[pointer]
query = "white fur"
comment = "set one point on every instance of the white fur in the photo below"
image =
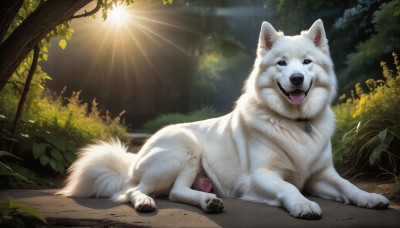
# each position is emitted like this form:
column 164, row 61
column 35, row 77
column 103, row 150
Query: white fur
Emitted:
column 258, row 152
column 100, row 171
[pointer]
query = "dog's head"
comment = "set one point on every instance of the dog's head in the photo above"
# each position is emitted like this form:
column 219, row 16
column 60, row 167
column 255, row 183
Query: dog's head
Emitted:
column 293, row 75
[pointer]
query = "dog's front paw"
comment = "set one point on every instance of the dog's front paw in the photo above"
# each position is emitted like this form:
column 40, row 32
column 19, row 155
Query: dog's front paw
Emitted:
column 372, row 200
column 145, row 204
column 305, row 209
column 213, row 206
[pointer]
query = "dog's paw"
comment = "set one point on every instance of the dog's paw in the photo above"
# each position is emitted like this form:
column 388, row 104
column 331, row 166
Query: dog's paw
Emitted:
column 213, row 206
column 305, row 209
column 145, row 204
column 372, row 200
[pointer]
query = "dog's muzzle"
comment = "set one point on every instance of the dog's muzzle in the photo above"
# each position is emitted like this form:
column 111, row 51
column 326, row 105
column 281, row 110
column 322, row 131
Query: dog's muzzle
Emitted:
column 296, row 96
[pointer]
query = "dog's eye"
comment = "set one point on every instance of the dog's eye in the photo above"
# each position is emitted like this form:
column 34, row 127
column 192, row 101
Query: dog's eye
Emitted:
column 307, row 61
column 281, row 63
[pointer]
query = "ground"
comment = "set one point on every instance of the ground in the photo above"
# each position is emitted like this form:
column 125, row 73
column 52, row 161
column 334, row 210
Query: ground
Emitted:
column 76, row 212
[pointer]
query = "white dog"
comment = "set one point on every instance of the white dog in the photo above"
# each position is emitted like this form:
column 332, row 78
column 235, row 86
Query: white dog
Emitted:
column 274, row 144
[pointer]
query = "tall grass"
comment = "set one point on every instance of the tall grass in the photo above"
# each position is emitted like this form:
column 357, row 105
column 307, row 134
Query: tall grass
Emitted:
column 367, row 138
column 83, row 121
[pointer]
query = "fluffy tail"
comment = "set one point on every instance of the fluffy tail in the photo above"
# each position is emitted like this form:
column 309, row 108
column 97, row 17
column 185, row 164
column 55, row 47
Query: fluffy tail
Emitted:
column 100, row 170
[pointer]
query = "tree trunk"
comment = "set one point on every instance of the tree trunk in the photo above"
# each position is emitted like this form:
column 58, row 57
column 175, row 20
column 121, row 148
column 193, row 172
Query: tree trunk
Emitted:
column 24, row 94
column 33, row 29
column 8, row 10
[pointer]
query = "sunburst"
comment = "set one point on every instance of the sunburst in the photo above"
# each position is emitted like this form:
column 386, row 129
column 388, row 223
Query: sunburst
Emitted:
column 118, row 15
column 124, row 45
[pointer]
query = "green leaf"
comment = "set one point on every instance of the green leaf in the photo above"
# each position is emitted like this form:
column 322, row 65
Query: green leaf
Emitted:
column 384, row 143
column 38, row 150
column 5, row 170
column 5, row 153
column 68, row 34
column 56, row 142
column 167, row 2
column 56, row 154
column 53, row 164
column 62, row 43
column 44, row 160
column 382, row 135
column 26, row 208
column 60, row 167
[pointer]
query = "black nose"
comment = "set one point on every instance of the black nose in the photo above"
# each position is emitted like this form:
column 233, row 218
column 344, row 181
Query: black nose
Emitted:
column 297, row 79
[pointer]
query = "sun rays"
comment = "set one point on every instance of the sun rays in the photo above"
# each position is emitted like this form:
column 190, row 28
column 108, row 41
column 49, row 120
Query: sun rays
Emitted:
column 118, row 15
column 131, row 35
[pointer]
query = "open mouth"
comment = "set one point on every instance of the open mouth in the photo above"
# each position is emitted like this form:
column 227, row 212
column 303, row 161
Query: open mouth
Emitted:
column 296, row 96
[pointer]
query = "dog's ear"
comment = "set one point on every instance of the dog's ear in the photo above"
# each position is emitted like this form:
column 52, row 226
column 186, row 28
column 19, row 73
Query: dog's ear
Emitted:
column 268, row 36
column 317, row 35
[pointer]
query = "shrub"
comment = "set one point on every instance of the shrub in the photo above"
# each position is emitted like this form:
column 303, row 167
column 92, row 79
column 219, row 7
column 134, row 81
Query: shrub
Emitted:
column 367, row 139
column 174, row 118
column 51, row 128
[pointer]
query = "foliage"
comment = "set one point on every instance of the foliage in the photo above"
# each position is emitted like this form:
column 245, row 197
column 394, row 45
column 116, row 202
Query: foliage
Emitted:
column 381, row 38
column 218, row 53
column 174, row 118
column 5, row 168
column 10, row 214
column 51, row 129
column 292, row 16
column 62, row 30
column 368, row 125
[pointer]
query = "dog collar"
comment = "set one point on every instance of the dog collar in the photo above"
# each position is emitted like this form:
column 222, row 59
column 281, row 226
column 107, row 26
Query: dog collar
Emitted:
column 307, row 125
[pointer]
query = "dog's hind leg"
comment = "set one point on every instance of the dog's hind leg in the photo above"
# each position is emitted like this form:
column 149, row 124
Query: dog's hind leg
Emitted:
column 181, row 192
column 141, row 201
column 138, row 196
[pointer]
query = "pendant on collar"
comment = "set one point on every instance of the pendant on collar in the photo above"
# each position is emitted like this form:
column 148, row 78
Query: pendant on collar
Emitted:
column 307, row 126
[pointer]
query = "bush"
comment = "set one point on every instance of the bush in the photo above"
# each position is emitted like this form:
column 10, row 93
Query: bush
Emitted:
column 367, row 138
column 174, row 118
column 51, row 129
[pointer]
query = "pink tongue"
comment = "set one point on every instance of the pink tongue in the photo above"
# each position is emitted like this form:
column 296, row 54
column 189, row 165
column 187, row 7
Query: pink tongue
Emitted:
column 297, row 96
column 202, row 184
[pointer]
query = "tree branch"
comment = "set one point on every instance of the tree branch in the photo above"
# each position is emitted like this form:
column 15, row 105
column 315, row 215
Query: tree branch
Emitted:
column 24, row 94
column 93, row 11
